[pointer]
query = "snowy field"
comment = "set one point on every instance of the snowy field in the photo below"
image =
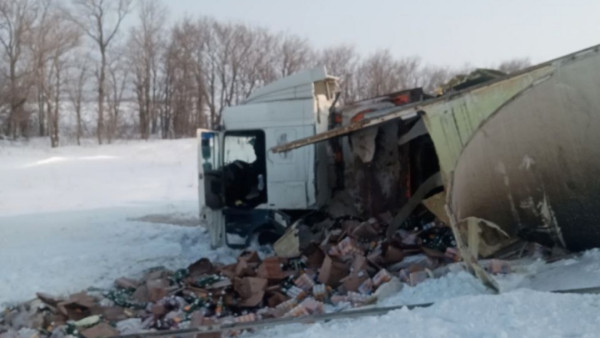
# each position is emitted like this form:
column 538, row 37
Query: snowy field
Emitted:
column 76, row 217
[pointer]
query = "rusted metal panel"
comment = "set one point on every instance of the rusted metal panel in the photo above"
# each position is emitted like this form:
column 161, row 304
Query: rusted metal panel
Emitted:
column 452, row 122
column 532, row 166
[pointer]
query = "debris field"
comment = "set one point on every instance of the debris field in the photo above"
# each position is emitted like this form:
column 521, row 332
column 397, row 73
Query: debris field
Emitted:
column 343, row 263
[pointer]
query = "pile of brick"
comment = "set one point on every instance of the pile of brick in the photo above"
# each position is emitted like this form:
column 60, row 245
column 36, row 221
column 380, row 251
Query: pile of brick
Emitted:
column 347, row 263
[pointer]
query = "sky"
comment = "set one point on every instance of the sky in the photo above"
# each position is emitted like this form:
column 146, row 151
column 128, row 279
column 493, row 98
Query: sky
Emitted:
column 454, row 33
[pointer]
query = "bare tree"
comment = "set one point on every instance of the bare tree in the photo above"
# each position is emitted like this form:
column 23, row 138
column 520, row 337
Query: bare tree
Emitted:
column 231, row 45
column 17, row 18
column 104, row 20
column 117, row 84
column 75, row 91
column 234, row 59
column 146, row 43
column 52, row 97
column 55, row 37
column 514, row 65
column 381, row 73
column 209, row 57
column 432, row 77
column 295, row 54
column 40, row 53
column 342, row 61
column 257, row 67
column 183, row 90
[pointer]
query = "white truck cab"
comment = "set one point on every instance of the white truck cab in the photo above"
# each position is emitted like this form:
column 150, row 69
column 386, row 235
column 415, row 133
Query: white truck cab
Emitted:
column 243, row 187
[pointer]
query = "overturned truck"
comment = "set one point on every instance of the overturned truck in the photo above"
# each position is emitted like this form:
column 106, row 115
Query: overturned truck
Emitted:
column 517, row 156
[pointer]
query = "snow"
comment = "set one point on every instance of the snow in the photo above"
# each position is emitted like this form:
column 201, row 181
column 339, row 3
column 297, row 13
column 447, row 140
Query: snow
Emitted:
column 433, row 290
column 76, row 217
column 41, row 179
column 522, row 313
column 465, row 308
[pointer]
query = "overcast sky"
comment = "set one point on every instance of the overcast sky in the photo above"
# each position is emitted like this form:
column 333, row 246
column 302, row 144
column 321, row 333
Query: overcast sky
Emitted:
column 444, row 32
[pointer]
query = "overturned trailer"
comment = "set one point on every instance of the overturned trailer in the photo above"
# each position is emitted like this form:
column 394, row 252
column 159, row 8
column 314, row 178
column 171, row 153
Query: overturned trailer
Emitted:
column 518, row 156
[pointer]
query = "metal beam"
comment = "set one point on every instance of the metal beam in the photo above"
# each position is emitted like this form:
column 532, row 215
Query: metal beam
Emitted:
column 404, row 113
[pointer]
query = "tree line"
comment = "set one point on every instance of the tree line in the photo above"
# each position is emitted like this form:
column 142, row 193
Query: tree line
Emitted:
column 116, row 69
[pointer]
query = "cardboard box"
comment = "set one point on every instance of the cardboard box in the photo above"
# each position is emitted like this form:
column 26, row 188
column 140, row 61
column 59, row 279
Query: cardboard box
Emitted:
column 270, row 269
column 353, row 281
column 332, row 272
column 249, row 286
column 201, row 267
column 157, row 289
column 100, row 330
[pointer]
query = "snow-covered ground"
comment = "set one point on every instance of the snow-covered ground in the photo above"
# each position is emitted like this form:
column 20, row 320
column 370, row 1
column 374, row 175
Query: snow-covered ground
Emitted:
column 76, row 217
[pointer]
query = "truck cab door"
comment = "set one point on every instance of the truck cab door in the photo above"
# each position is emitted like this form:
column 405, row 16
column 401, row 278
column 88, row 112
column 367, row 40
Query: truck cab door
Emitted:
column 210, row 186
